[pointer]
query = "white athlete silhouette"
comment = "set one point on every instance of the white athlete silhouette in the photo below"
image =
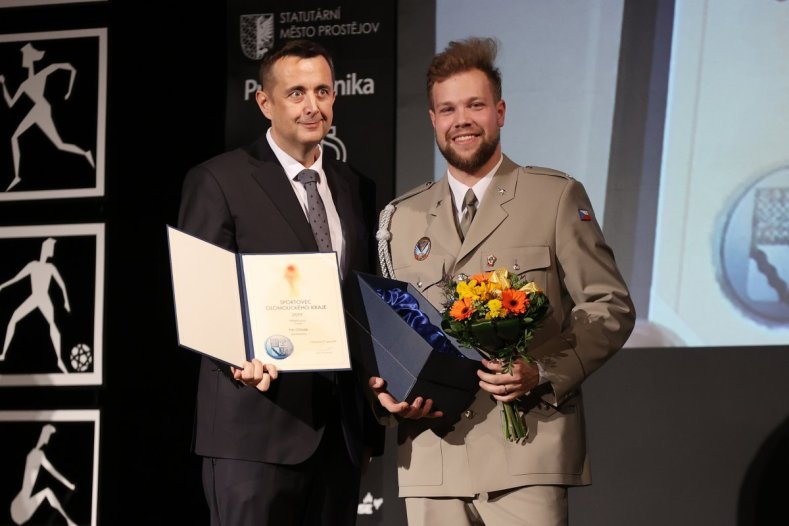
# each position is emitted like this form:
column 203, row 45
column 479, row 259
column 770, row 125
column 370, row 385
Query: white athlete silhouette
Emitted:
column 41, row 274
column 41, row 113
column 26, row 502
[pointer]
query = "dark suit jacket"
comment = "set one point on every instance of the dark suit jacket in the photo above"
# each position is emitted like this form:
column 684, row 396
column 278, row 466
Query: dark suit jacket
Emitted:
column 242, row 201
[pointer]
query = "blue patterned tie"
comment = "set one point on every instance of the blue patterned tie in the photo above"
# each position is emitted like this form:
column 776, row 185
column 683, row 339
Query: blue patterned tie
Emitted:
column 316, row 210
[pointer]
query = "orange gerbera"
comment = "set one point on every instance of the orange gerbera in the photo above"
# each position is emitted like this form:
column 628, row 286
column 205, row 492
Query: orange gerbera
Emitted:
column 482, row 276
column 462, row 309
column 515, row 301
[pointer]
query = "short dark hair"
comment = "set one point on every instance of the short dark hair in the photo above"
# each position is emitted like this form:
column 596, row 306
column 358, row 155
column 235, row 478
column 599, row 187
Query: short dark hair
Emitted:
column 465, row 55
column 291, row 48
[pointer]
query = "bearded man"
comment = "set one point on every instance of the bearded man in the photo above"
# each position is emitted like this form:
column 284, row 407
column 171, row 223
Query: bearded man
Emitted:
column 488, row 213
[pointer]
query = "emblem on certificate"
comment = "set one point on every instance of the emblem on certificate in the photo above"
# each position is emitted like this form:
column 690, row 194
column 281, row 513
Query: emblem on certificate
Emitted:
column 278, row 347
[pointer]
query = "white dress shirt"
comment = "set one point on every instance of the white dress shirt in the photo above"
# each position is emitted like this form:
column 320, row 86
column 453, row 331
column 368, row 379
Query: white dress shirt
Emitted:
column 292, row 168
column 459, row 189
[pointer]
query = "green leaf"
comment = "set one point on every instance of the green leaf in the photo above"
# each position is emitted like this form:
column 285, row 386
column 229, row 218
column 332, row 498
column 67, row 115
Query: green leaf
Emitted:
column 485, row 334
column 508, row 329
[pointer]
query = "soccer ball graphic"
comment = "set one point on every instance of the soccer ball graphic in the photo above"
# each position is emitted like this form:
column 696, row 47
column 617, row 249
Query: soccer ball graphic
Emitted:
column 80, row 357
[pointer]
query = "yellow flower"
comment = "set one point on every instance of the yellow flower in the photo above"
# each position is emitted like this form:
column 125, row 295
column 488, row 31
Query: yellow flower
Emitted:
column 482, row 291
column 530, row 288
column 495, row 310
column 467, row 289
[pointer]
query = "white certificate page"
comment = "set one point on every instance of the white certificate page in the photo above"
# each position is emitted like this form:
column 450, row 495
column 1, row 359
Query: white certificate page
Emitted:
column 295, row 311
column 207, row 298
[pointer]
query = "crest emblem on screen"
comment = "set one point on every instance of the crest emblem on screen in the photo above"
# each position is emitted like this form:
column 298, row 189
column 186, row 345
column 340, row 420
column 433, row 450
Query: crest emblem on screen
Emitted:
column 256, row 34
column 753, row 265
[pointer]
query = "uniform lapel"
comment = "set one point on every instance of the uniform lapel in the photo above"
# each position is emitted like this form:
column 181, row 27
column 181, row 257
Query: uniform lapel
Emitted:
column 441, row 227
column 491, row 212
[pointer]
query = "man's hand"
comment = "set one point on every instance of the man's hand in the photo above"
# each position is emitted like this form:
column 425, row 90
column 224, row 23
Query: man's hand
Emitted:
column 419, row 408
column 507, row 387
column 256, row 373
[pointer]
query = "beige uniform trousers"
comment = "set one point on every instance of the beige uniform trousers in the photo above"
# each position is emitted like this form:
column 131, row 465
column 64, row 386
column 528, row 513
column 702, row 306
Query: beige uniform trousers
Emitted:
column 525, row 506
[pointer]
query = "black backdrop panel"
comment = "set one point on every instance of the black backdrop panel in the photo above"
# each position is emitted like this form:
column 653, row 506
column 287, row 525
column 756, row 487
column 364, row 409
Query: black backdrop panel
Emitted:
column 360, row 36
column 69, row 451
column 54, row 131
column 77, row 259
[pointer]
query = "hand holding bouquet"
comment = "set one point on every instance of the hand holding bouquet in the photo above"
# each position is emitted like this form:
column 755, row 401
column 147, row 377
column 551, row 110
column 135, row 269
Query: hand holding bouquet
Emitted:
column 496, row 313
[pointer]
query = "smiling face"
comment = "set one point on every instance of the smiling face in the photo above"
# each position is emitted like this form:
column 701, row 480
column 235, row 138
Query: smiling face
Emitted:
column 466, row 118
column 298, row 101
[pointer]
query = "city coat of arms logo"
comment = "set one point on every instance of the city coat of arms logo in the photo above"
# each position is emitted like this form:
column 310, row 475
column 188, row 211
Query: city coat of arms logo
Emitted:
column 257, row 35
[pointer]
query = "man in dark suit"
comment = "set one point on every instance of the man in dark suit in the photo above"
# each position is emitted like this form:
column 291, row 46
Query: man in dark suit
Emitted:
column 281, row 448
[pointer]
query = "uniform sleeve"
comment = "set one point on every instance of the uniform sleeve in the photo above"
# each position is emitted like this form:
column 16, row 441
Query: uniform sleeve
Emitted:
column 601, row 313
column 204, row 211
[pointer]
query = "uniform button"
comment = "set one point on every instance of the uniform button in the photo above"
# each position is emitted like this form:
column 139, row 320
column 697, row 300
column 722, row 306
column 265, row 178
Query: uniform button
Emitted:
column 419, row 284
column 468, row 413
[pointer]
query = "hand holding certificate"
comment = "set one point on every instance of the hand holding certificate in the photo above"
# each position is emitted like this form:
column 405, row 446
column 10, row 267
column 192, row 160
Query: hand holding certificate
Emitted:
column 284, row 309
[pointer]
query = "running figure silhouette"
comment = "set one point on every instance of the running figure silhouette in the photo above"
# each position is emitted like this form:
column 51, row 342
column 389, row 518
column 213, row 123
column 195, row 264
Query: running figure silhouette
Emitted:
column 41, row 273
column 41, row 113
column 26, row 502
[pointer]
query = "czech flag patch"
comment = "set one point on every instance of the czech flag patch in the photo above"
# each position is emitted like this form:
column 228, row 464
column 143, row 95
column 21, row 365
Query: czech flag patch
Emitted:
column 584, row 215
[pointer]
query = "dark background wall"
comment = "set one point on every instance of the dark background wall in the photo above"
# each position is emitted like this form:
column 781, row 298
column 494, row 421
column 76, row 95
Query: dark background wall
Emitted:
column 687, row 437
column 164, row 114
column 678, row 436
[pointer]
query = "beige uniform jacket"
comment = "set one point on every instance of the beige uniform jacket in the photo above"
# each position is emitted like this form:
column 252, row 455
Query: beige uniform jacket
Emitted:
column 529, row 221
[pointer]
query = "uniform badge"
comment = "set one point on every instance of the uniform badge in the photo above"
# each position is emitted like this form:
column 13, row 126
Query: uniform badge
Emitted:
column 584, row 215
column 422, row 249
column 491, row 260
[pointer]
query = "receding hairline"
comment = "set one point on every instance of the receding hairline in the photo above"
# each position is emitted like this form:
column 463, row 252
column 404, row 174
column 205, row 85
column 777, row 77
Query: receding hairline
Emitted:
column 300, row 49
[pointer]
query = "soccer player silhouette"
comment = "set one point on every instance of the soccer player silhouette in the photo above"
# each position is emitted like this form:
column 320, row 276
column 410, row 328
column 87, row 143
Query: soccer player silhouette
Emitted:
column 26, row 502
column 41, row 273
column 41, row 113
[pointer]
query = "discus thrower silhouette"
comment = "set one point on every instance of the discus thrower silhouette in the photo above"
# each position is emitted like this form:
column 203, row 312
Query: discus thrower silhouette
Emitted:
column 41, row 113
column 26, row 502
column 41, row 273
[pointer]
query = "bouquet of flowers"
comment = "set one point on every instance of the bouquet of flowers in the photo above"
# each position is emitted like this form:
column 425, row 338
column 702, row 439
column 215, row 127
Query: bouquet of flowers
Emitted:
column 496, row 313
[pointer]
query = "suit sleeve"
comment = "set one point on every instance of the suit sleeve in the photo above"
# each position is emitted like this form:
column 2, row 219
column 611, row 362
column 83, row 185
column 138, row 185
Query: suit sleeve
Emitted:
column 204, row 211
column 601, row 313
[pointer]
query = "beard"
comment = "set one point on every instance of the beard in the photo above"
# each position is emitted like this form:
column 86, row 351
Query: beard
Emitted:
column 474, row 161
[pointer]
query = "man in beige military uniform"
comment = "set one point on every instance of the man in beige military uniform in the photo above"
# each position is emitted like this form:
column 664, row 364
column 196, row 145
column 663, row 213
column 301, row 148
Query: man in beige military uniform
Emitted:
column 532, row 221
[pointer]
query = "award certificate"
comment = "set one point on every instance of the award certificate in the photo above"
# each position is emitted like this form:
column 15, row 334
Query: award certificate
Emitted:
column 284, row 309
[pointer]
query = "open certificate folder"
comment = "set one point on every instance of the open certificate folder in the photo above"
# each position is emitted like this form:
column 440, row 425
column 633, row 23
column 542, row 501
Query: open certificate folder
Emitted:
column 284, row 309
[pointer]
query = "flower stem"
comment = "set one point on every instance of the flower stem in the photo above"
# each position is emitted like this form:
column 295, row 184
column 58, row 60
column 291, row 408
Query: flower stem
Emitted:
column 505, row 428
column 514, row 429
